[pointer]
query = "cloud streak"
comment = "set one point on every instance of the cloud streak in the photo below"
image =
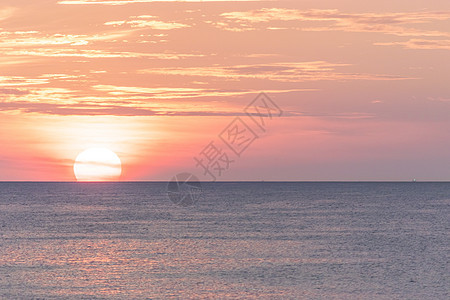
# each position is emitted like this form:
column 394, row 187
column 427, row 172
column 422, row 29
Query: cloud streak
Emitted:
column 124, row 2
column 83, row 109
column 36, row 38
column 12, row 81
column 145, row 21
column 335, row 20
column 6, row 12
column 282, row 72
column 123, row 101
column 179, row 93
column 420, row 44
column 16, row 92
column 97, row 54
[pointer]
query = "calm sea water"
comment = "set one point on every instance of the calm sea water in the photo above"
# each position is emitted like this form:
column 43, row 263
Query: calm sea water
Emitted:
column 240, row 241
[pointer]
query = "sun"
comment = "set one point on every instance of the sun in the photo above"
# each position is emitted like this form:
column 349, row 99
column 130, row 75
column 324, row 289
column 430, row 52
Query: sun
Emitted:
column 97, row 164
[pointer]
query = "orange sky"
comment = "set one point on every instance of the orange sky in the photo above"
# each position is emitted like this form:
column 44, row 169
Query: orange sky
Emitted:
column 363, row 87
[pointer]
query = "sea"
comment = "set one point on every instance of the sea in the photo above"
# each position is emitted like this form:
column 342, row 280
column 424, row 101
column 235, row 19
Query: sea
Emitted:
column 240, row 240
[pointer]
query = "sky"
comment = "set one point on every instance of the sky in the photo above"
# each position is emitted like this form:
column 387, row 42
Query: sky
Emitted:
column 354, row 90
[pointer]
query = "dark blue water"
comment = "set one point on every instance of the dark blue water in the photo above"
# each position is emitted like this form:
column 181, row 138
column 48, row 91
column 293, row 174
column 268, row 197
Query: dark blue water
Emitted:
column 240, row 241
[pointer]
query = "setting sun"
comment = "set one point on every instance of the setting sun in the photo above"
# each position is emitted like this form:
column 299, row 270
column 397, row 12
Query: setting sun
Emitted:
column 97, row 164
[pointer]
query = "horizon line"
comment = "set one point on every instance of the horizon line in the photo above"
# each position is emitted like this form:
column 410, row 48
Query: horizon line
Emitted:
column 233, row 181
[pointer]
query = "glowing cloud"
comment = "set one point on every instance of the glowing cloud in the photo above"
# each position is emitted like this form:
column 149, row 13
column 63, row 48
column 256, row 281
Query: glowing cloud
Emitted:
column 123, row 2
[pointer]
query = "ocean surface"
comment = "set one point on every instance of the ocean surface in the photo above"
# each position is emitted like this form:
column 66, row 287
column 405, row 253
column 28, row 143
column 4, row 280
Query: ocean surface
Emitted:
column 259, row 240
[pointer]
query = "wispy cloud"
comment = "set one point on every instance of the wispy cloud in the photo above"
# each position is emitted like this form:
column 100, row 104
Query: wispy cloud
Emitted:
column 284, row 72
column 179, row 93
column 106, row 110
column 6, row 12
column 439, row 99
column 95, row 54
column 420, row 44
column 335, row 20
column 35, row 38
column 123, row 100
column 145, row 21
column 273, row 14
column 123, row 2
column 11, row 81
column 13, row 92
column 18, row 47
